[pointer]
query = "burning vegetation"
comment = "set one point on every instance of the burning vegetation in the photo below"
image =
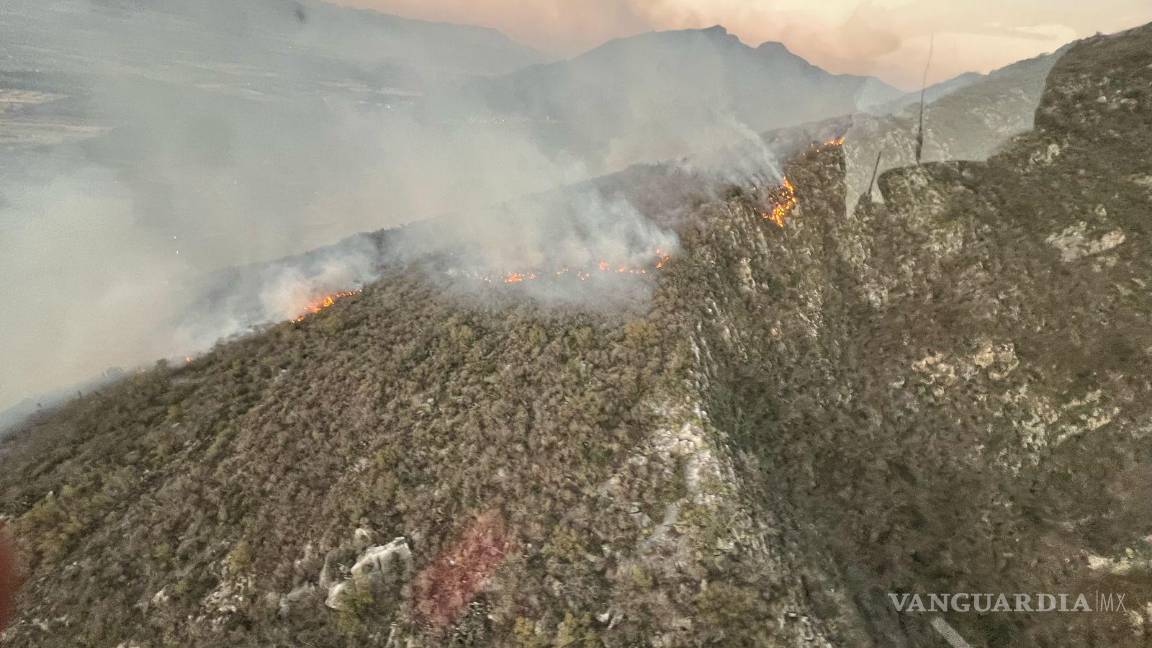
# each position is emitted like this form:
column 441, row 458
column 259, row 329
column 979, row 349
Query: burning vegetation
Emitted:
column 603, row 267
column 324, row 301
column 784, row 201
column 657, row 260
column 783, row 198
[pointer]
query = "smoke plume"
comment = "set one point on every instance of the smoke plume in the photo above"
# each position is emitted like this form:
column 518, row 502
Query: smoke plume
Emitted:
column 161, row 158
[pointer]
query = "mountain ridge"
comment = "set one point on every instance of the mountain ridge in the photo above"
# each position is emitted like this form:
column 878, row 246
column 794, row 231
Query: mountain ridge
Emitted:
column 661, row 95
column 944, row 391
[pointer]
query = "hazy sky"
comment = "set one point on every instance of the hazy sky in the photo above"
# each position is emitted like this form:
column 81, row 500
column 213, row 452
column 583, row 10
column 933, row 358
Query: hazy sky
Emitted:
column 888, row 38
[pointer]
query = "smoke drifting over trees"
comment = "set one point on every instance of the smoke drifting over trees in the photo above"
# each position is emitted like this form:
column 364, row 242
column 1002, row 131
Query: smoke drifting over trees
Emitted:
column 148, row 147
column 157, row 159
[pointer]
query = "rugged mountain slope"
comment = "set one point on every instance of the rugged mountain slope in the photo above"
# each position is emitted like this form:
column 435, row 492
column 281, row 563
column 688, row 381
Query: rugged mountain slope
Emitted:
column 184, row 127
column 551, row 470
column 948, row 391
column 1027, row 72
column 983, row 116
column 967, row 118
column 972, row 414
column 970, row 123
column 661, row 95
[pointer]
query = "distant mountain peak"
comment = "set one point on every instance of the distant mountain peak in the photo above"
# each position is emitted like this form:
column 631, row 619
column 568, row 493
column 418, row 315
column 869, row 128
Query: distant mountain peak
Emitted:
column 615, row 103
column 775, row 47
column 715, row 32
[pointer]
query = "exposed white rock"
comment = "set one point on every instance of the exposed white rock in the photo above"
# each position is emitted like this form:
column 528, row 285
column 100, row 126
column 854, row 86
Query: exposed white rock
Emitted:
column 1118, row 565
column 1048, row 155
column 227, row 599
column 363, row 537
column 294, row 599
column 340, row 596
column 376, row 569
column 1074, row 243
column 383, row 563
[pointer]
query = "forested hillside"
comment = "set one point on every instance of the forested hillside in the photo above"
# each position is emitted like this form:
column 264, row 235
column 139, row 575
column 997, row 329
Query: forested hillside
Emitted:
column 946, row 391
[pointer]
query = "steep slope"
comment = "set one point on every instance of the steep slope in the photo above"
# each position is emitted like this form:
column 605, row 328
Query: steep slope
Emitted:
column 1027, row 72
column 661, row 95
column 185, row 137
column 983, row 116
column 968, row 123
column 948, row 391
column 967, row 118
column 550, row 470
column 973, row 409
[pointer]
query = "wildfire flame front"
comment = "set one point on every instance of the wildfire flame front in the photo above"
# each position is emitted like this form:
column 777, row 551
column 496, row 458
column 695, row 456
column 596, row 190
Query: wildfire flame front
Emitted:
column 785, row 202
column 324, row 301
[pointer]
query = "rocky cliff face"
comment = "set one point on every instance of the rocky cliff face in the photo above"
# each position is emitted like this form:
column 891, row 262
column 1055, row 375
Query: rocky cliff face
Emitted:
column 946, row 391
column 967, row 118
column 971, row 413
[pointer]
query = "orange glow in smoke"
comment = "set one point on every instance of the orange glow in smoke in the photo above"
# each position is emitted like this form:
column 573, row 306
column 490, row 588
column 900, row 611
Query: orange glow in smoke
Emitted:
column 324, row 301
column 661, row 259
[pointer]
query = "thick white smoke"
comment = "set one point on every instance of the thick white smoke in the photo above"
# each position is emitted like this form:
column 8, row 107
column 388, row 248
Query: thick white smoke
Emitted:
column 152, row 148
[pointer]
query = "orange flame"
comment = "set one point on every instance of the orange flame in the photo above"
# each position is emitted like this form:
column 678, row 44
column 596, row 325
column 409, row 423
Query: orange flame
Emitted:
column 324, row 301
column 786, row 201
column 517, row 277
column 584, row 274
column 662, row 258
column 835, row 141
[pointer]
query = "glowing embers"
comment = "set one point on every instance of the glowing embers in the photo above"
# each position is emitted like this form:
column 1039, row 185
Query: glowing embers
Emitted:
column 604, row 267
column 783, row 198
column 784, row 201
column 324, row 301
column 518, row 277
